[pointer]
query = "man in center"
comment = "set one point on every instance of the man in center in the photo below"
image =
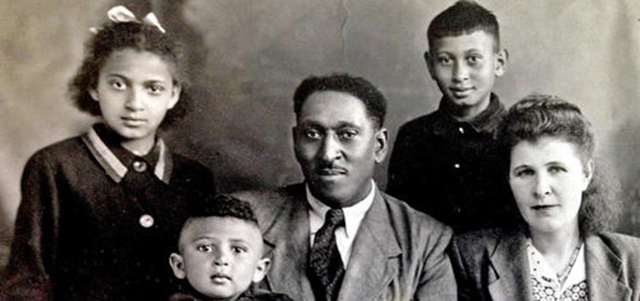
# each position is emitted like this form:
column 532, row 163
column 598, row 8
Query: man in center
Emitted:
column 337, row 236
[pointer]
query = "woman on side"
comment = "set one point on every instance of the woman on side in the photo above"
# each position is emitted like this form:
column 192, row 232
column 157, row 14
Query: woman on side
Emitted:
column 560, row 250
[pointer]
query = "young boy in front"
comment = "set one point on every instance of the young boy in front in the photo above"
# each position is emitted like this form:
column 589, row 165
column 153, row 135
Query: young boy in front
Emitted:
column 445, row 163
column 221, row 254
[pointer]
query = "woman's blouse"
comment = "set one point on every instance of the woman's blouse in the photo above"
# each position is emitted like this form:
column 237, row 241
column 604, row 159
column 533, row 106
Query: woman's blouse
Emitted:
column 547, row 285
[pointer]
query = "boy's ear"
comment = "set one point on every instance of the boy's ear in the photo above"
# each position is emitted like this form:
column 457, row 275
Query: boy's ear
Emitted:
column 94, row 94
column 177, row 265
column 428, row 59
column 175, row 96
column 502, row 57
column 261, row 270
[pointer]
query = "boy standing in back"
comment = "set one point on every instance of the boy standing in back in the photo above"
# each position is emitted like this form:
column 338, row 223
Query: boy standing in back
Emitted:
column 445, row 163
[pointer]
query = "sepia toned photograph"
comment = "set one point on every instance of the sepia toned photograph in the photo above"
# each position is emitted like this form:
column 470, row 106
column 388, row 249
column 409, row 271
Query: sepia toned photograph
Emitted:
column 319, row 150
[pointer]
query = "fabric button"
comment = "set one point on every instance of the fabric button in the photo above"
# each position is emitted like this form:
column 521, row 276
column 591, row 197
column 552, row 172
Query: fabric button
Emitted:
column 139, row 166
column 146, row 220
column 461, row 130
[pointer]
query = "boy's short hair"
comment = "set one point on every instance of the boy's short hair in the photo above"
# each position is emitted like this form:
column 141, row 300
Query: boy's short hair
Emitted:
column 224, row 205
column 358, row 87
column 464, row 17
column 220, row 205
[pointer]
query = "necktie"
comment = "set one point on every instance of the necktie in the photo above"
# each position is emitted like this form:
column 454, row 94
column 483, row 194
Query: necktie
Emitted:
column 325, row 265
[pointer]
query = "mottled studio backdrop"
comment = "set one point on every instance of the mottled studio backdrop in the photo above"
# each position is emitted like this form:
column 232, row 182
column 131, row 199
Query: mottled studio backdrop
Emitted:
column 247, row 57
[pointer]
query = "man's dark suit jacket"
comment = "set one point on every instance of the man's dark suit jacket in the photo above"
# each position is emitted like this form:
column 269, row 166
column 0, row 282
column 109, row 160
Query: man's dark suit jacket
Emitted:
column 397, row 254
column 493, row 265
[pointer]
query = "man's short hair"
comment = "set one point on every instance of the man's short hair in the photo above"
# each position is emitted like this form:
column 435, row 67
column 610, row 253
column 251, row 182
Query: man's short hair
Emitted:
column 464, row 17
column 374, row 102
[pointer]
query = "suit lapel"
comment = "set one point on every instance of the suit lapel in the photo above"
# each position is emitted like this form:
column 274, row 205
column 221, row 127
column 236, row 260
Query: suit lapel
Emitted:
column 508, row 274
column 374, row 257
column 603, row 272
column 288, row 242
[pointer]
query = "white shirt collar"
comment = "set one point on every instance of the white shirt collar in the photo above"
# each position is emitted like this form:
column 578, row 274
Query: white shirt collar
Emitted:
column 353, row 214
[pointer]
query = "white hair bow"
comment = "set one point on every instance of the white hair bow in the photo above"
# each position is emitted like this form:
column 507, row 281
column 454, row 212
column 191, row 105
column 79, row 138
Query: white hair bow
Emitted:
column 120, row 14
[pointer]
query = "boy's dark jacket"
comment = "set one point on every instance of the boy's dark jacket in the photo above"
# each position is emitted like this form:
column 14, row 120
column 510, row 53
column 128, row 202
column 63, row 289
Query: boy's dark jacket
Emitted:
column 451, row 170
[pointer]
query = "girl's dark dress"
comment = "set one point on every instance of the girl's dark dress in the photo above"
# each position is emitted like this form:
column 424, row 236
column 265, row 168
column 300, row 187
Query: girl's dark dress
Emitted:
column 97, row 222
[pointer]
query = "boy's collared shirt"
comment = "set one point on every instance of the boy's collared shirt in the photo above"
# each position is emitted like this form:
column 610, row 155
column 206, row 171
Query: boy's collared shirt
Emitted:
column 353, row 216
column 450, row 169
column 486, row 122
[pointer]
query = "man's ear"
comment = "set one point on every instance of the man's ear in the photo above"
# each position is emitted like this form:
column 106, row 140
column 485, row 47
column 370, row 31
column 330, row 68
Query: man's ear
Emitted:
column 94, row 94
column 382, row 145
column 502, row 57
column 428, row 59
column 175, row 96
column 261, row 269
column 296, row 136
column 177, row 265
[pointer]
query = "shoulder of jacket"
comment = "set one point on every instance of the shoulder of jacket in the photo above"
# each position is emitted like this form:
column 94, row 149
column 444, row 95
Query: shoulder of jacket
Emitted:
column 268, row 204
column 412, row 218
column 478, row 241
column 421, row 123
column 621, row 243
column 62, row 150
column 182, row 161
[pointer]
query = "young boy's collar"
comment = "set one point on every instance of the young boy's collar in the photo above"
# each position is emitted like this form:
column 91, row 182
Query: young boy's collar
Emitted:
column 114, row 167
column 187, row 293
column 486, row 121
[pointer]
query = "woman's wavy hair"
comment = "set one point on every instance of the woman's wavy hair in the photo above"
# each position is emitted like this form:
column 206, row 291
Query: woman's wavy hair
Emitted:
column 538, row 116
column 129, row 35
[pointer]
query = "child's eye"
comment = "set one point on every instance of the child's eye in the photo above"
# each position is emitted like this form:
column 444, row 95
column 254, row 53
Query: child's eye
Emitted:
column 474, row 59
column 238, row 249
column 117, row 84
column 556, row 169
column 156, row 89
column 444, row 60
column 204, row 248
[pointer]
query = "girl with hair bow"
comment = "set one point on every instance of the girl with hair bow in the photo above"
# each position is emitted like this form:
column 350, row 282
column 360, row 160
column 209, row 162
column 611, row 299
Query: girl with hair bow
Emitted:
column 100, row 212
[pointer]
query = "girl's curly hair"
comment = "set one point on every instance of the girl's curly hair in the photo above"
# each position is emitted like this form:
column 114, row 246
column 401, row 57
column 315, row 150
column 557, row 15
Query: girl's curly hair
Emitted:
column 130, row 35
